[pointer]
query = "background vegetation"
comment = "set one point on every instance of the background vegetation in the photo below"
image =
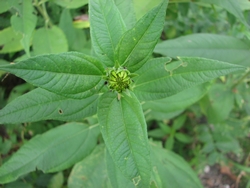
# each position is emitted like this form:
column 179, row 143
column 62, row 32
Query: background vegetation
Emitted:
column 206, row 125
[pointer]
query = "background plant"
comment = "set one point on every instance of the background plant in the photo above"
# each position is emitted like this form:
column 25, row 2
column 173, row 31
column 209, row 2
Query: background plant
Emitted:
column 65, row 102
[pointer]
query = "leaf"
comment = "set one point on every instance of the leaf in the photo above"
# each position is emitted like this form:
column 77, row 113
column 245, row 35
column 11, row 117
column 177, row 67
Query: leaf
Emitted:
column 71, row 74
column 178, row 101
column 156, row 81
column 106, row 28
column 217, row 47
column 124, row 131
column 81, row 44
column 56, row 181
column 40, row 104
column 183, row 138
column 137, row 44
column 71, row 4
column 4, row 6
column 47, row 152
column 24, row 22
column 92, row 168
column 49, row 40
column 231, row 6
column 126, row 9
column 143, row 6
column 171, row 170
column 218, row 104
column 244, row 4
column 66, row 26
column 10, row 41
column 115, row 175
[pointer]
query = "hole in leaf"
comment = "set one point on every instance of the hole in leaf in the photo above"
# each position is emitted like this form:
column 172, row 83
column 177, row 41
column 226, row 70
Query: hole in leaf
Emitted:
column 60, row 111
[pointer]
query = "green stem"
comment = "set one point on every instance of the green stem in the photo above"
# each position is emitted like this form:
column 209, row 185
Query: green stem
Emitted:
column 242, row 79
column 43, row 12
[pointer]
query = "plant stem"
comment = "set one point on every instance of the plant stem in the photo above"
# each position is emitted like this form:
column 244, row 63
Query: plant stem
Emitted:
column 43, row 12
column 242, row 78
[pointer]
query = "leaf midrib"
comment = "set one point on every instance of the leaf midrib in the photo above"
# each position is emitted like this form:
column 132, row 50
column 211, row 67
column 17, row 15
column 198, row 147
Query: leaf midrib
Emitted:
column 142, row 36
column 185, row 73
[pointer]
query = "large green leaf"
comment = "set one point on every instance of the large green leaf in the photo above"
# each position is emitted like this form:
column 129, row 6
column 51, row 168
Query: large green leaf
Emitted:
column 41, row 104
column 157, row 80
column 232, row 6
column 137, row 44
column 69, row 74
column 179, row 101
column 106, row 27
column 124, row 131
column 49, row 40
column 55, row 150
column 170, row 170
column 218, row 103
column 117, row 179
column 218, row 47
column 70, row 3
column 24, row 22
column 126, row 9
column 90, row 172
column 10, row 41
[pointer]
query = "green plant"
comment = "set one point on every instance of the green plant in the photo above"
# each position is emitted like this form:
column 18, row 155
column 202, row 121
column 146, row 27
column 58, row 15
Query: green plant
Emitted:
column 113, row 83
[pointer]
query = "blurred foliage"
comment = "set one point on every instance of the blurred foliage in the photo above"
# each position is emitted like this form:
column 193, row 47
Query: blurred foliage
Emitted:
column 215, row 129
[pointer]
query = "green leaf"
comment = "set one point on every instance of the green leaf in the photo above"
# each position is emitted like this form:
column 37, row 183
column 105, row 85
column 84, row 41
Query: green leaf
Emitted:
column 56, row 180
column 179, row 122
column 49, row 40
column 106, row 27
column 66, row 26
column 82, row 44
column 24, row 22
column 89, row 170
column 156, row 133
column 178, row 101
column 143, row 6
column 19, row 184
column 218, row 47
column 183, row 138
column 71, row 4
column 117, row 179
column 218, row 104
column 124, row 131
column 4, row 6
column 244, row 4
column 69, row 143
column 40, row 104
column 156, row 81
column 3, row 62
column 71, row 74
column 169, row 144
column 232, row 6
column 137, row 44
column 10, row 41
column 171, row 170
column 19, row 90
column 126, row 9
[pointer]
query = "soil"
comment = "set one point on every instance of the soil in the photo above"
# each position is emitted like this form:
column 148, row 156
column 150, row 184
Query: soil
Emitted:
column 218, row 177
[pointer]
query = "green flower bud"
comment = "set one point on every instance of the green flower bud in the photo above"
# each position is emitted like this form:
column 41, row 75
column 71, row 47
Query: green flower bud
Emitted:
column 118, row 79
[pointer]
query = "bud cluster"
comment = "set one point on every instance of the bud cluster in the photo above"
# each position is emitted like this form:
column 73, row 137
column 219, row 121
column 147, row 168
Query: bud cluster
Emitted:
column 118, row 79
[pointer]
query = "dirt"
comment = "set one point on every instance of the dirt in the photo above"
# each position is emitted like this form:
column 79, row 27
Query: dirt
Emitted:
column 218, row 177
